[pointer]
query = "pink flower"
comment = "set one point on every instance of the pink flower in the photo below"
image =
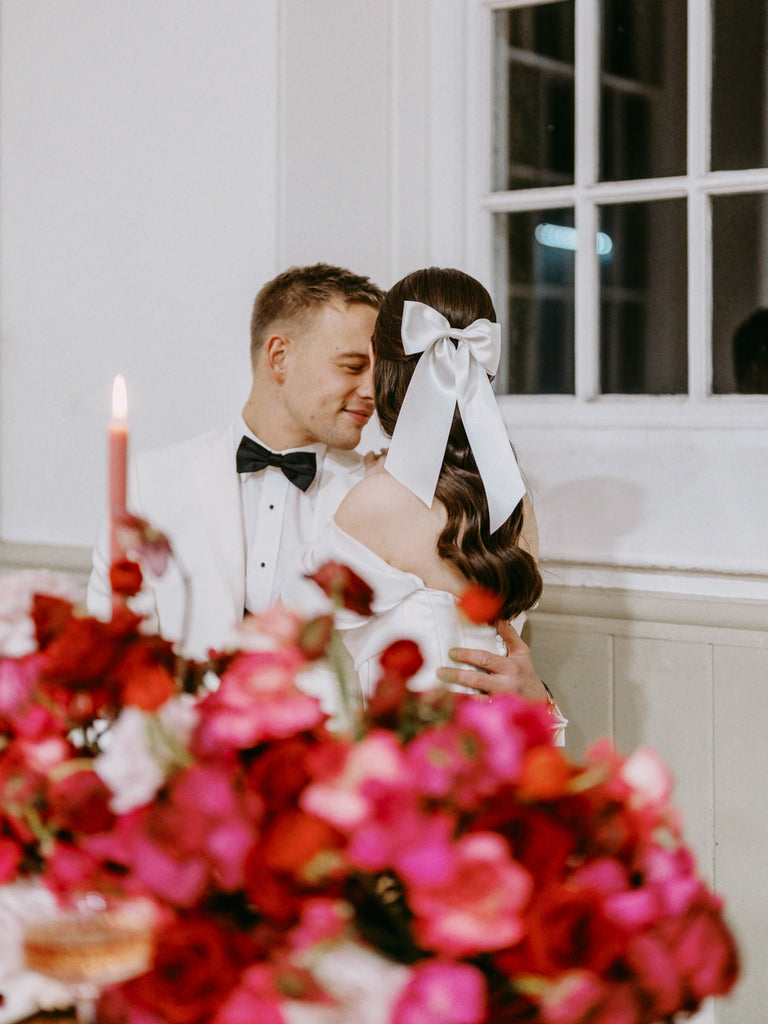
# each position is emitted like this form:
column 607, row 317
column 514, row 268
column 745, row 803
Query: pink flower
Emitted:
column 442, row 992
column 321, row 919
column 17, row 680
column 478, row 905
column 401, row 836
column 578, row 996
column 704, row 951
column 256, row 998
column 276, row 626
column 258, row 700
column 137, row 536
column 343, row 799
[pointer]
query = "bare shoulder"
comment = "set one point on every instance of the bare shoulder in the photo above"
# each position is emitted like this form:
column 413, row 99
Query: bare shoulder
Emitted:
column 374, row 501
column 388, row 519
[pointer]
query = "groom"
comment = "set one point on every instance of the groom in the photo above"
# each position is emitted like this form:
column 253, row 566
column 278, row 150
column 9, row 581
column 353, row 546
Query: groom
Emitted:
column 240, row 504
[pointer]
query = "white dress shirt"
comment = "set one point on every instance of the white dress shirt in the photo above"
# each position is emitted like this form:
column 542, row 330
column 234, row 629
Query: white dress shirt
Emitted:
column 278, row 521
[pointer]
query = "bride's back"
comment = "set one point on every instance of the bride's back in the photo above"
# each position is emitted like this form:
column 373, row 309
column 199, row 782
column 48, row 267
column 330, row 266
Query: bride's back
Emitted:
column 391, row 521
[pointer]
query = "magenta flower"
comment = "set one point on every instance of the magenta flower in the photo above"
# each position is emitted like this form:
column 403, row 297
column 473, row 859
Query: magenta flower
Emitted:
column 478, row 905
column 258, row 700
column 442, row 992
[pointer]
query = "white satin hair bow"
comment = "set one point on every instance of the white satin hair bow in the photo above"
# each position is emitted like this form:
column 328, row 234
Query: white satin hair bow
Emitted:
column 446, row 375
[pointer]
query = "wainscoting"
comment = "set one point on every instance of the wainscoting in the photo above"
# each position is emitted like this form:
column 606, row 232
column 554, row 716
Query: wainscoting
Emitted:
column 688, row 676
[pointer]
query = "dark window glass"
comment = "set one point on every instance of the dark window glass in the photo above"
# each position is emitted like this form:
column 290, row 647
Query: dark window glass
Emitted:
column 740, row 45
column 643, row 298
column 535, row 256
column 534, row 94
column 739, row 294
column 643, row 89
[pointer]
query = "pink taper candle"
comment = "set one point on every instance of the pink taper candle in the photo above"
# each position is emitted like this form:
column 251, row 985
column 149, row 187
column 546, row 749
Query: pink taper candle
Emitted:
column 118, row 460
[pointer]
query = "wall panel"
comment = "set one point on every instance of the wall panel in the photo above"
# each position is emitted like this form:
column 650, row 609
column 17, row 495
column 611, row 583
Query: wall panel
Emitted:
column 689, row 677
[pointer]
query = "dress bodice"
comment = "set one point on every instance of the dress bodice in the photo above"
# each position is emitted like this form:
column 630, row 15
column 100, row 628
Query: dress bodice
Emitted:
column 403, row 606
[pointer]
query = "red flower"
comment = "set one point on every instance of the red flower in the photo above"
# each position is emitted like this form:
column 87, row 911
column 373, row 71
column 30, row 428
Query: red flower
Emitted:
column 281, row 771
column 144, row 675
column 341, row 584
column 125, row 577
column 294, row 839
column 50, row 615
column 195, row 969
column 81, row 803
column 566, row 930
column 480, row 604
column 402, row 658
column 399, row 662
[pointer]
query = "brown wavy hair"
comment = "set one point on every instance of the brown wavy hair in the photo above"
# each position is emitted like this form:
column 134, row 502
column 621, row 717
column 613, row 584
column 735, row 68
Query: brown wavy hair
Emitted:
column 496, row 561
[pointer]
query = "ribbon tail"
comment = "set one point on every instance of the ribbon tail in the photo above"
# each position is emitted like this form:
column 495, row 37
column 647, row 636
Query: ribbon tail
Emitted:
column 487, row 435
column 416, row 450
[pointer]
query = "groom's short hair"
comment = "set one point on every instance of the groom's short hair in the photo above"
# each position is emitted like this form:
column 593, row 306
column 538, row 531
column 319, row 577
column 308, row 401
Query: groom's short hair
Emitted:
column 294, row 296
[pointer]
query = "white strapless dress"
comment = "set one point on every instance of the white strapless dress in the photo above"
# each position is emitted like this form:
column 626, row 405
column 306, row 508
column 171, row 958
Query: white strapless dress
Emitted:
column 404, row 608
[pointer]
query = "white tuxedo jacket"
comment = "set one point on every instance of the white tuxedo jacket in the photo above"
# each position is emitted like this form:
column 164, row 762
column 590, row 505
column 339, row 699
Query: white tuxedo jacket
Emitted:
column 191, row 492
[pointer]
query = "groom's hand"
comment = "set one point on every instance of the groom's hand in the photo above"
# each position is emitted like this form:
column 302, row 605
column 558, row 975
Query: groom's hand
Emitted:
column 497, row 673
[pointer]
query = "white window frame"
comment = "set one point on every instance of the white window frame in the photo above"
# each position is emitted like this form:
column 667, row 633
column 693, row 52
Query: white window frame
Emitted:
column 699, row 408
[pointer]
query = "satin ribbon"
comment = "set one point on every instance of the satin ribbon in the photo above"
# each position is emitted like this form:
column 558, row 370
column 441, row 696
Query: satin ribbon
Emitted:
column 445, row 375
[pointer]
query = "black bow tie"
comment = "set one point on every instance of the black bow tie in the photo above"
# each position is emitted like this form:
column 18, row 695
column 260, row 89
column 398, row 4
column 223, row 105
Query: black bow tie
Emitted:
column 299, row 467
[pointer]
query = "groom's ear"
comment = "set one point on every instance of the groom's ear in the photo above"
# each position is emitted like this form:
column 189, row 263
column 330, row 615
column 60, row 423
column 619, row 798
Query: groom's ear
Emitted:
column 276, row 349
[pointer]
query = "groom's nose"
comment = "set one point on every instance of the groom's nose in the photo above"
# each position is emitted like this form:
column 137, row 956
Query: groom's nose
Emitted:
column 365, row 384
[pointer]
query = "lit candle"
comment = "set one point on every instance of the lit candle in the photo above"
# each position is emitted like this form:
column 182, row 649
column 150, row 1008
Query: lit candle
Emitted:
column 118, row 460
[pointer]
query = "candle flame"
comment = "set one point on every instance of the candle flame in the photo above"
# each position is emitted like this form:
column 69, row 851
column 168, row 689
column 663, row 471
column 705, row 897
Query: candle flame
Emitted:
column 119, row 398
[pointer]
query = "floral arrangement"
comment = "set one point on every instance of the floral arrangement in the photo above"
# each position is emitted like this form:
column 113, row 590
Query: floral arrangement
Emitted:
column 439, row 861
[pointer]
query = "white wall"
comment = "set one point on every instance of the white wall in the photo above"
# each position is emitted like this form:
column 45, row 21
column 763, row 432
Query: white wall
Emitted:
column 138, row 215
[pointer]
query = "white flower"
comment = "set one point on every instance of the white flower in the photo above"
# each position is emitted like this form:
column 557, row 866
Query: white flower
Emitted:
column 17, row 631
column 24, row 992
column 365, row 983
column 140, row 750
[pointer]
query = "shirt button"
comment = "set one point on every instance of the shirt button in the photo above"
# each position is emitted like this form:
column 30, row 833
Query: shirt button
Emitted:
column 263, row 564
column 271, row 506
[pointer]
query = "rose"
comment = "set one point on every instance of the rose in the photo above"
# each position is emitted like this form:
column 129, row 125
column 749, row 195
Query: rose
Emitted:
column 442, row 992
column 258, row 700
column 125, row 577
column 477, row 905
column 195, row 968
column 81, row 802
column 566, row 929
column 342, row 585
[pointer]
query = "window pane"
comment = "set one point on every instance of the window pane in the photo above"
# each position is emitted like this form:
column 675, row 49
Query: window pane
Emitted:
column 643, row 301
column 740, row 294
column 535, row 257
column 643, row 89
column 740, row 43
column 533, row 96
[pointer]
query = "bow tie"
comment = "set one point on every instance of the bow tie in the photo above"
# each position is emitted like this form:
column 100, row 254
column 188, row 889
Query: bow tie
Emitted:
column 299, row 467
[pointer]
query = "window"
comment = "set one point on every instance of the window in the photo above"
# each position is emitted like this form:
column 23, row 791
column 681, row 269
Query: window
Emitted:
column 639, row 125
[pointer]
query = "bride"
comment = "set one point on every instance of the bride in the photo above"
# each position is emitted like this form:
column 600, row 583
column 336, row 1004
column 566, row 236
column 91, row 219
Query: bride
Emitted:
column 443, row 508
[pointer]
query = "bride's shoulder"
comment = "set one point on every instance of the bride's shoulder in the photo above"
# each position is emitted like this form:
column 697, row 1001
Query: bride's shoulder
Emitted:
column 376, row 511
